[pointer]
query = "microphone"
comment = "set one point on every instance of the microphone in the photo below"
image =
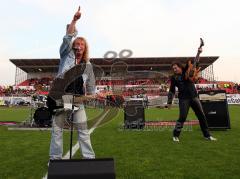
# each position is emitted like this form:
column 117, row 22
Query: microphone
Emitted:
column 77, row 48
column 77, row 54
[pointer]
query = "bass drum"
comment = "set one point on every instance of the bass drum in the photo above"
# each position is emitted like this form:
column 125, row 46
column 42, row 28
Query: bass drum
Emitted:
column 42, row 117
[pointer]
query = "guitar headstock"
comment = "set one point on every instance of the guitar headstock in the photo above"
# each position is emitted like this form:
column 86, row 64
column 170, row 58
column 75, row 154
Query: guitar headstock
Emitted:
column 201, row 43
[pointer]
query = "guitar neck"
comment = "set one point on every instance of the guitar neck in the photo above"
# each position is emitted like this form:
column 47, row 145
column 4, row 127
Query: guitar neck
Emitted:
column 196, row 59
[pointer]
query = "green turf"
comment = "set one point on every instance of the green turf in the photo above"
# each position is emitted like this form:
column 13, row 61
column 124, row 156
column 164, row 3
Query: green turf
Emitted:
column 153, row 114
column 24, row 153
column 148, row 153
column 152, row 154
column 16, row 114
column 93, row 112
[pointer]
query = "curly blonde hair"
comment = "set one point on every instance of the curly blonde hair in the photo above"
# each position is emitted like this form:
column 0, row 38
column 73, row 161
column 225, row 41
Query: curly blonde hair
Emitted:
column 85, row 56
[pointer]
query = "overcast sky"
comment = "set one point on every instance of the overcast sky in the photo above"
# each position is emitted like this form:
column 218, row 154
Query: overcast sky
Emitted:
column 150, row 28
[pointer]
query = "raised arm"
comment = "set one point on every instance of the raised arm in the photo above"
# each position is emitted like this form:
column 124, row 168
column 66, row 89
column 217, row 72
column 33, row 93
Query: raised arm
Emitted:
column 71, row 32
column 71, row 28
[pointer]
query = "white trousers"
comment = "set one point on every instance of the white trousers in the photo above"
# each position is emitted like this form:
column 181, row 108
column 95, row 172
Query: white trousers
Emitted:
column 80, row 123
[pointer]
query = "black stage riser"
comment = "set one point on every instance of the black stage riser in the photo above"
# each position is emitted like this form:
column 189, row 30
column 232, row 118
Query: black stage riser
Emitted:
column 85, row 168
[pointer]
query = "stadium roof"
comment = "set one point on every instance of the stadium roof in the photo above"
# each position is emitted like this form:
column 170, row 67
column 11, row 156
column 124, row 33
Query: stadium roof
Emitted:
column 133, row 64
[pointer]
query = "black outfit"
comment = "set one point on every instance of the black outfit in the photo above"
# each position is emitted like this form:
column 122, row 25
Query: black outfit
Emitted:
column 188, row 97
column 76, row 87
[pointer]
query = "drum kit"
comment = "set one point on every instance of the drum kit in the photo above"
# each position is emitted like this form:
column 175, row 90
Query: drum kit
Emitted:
column 40, row 115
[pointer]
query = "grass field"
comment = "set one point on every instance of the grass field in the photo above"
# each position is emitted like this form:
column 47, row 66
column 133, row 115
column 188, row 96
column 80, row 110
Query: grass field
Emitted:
column 16, row 114
column 148, row 153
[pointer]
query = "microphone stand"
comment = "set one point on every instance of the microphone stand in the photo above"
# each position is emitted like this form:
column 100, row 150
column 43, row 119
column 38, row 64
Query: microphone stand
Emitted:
column 72, row 114
column 71, row 130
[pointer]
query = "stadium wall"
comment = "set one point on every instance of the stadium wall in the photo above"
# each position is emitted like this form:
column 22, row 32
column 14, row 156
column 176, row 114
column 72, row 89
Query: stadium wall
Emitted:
column 40, row 75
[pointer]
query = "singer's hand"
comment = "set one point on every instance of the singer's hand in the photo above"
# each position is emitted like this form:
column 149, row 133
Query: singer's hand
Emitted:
column 77, row 15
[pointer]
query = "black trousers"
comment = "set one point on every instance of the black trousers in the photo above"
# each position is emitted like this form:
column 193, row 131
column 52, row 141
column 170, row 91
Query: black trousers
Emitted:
column 184, row 105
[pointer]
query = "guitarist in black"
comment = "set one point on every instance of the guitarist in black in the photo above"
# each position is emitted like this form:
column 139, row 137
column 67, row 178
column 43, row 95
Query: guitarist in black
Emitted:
column 188, row 97
column 73, row 53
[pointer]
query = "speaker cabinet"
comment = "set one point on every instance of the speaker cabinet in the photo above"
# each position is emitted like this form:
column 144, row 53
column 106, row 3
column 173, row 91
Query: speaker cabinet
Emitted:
column 215, row 108
column 134, row 115
column 85, row 168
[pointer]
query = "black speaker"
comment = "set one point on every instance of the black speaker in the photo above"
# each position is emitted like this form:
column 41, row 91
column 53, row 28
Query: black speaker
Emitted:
column 215, row 107
column 134, row 115
column 84, row 168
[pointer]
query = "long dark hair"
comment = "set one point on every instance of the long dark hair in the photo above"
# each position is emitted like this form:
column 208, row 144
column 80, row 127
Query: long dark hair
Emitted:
column 179, row 64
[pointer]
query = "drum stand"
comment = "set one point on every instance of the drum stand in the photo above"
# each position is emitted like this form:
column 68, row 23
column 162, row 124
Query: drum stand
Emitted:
column 30, row 120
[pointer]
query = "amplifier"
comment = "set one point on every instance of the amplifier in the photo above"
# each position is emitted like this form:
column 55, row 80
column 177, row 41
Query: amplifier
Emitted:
column 215, row 107
column 134, row 115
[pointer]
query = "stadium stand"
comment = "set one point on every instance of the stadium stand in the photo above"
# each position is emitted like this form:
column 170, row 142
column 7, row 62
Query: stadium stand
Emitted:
column 143, row 77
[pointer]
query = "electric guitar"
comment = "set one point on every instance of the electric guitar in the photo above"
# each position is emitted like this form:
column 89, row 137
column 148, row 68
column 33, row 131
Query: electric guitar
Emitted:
column 60, row 86
column 192, row 73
